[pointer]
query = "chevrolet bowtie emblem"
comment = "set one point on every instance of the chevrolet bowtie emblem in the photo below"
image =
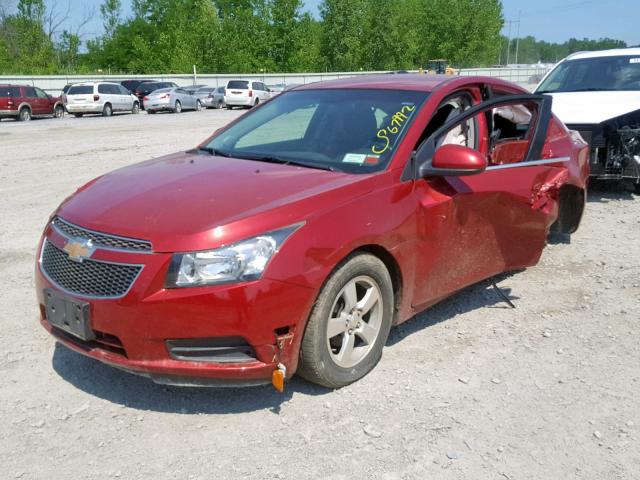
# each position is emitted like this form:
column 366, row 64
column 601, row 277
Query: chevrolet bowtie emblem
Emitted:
column 79, row 249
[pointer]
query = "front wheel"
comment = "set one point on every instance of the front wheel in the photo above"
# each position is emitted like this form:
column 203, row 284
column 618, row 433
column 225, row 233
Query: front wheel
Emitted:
column 178, row 107
column 136, row 108
column 199, row 106
column 349, row 324
column 58, row 112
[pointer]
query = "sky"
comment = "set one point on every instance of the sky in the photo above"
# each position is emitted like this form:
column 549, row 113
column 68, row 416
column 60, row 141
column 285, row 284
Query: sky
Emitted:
column 551, row 20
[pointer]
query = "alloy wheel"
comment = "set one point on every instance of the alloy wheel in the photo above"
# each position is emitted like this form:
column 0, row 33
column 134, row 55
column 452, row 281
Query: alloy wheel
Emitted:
column 355, row 321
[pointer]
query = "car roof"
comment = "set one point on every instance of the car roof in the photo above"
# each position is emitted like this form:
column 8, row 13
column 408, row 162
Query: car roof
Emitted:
column 605, row 53
column 419, row 82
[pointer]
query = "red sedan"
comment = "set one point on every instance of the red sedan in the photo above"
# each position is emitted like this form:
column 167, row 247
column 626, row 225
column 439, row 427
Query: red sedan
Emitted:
column 295, row 237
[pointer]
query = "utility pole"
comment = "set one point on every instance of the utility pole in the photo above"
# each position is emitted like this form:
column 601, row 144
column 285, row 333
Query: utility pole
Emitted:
column 518, row 36
column 509, row 43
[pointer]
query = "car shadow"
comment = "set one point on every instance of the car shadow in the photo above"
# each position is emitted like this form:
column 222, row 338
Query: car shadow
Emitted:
column 133, row 391
column 601, row 192
column 479, row 295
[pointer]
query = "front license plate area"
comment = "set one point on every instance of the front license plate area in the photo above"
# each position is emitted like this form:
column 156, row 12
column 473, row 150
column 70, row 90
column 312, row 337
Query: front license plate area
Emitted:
column 68, row 315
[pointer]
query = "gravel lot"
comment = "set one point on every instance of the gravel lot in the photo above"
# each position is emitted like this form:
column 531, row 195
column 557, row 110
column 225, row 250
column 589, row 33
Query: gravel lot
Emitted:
column 467, row 390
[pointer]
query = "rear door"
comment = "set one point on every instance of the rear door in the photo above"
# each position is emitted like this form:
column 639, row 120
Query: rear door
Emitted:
column 80, row 95
column 45, row 105
column 476, row 226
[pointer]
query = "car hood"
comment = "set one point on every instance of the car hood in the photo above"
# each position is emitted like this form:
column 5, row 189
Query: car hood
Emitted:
column 593, row 107
column 190, row 201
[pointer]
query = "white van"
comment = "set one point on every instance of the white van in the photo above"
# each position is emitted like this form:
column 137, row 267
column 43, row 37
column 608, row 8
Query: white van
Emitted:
column 100, row 97
column 245, row 93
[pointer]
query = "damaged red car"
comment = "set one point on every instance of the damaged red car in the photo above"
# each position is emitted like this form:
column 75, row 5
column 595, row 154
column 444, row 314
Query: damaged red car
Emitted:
column 294, row 238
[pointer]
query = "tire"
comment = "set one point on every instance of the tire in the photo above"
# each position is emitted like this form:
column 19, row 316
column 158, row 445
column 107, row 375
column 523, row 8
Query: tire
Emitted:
column 58, row 112
column 151, row 112
column 257, row 102
column 107, row 110
column 78, row 115
column 136, row 108
column 220, row 105
column 636, row 188
column 178, row 107
column 358, row 334
column 229, row 107
column 24, row 115
column 199, row 106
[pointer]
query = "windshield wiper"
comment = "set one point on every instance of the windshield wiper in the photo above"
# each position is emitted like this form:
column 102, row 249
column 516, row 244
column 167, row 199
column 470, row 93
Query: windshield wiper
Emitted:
column 284, row 161
column 214, row 152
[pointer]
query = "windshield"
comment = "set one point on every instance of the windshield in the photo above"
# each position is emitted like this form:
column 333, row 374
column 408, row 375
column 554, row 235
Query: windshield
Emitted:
column 594, row 74
column 347, row 130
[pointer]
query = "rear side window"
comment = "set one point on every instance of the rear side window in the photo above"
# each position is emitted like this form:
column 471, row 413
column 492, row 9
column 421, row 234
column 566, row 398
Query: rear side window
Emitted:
column 30, row 92
column 109, row 89
column 11, row 92
column 80, row 90
column 240, row 84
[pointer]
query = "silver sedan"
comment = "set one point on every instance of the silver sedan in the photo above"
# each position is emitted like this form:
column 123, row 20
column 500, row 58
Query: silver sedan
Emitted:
column 171, row 99
column 211, row 97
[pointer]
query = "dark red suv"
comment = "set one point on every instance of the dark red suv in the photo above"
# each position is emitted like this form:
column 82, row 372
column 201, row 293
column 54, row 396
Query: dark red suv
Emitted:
column 23, row 103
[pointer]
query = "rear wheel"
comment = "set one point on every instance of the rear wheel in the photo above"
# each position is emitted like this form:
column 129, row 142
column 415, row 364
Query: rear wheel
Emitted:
column 220, row 104
column 136, row 108
column 24, row 115
column 58, row 112
column 257, row 102
column 178, row 107
column 349, row 324
column 107, row 110
column 199, row 105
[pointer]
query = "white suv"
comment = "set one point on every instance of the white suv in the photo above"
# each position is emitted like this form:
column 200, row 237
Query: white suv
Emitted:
column 245, row 93
column 100, row 97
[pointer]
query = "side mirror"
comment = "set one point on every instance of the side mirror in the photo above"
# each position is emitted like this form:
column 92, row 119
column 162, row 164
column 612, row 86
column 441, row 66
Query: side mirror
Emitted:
column 454, row 160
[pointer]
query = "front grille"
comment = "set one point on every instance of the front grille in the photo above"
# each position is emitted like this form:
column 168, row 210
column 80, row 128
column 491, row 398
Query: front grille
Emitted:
column 89, row 277
column 101, row 239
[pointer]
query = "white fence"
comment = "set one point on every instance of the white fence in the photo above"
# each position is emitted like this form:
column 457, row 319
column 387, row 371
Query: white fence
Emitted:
column 54, row 83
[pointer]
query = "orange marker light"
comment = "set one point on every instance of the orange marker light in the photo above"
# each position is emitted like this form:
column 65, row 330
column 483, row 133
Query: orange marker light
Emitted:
column 277, row 378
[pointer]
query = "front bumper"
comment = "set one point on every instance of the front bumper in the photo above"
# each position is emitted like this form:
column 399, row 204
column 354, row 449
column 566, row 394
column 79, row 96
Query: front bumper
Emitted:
column 132, row 331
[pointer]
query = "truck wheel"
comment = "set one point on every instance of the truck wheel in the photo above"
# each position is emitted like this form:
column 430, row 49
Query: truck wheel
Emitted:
column 58, row 112
column 107, row 111
column 24, row 115
column 349, row 324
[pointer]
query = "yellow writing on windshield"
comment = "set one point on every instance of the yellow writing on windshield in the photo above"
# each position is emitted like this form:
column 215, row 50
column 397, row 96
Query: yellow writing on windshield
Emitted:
column 396, row 123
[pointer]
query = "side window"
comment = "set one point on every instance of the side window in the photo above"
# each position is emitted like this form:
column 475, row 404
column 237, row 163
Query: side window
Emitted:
column 464, row 134
column 13, row 92
column 103, row 88
column 510, row 132
column 30, row 92
column 180, row 90
column 41, row 93
column 123, row 91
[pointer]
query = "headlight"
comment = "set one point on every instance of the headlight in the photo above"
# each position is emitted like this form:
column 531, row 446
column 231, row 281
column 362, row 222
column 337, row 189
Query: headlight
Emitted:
column 240, row 262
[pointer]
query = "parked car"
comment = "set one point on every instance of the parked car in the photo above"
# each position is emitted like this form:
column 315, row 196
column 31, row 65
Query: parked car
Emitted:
column 171, row 99
column 23, row 103
column 100, row 97
column 146, row 88
column 276, row 89
column 192, row 89
column 245, row 93
column 211, row 97
column 295, row 237
column 598, row 94
column 131, row 85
